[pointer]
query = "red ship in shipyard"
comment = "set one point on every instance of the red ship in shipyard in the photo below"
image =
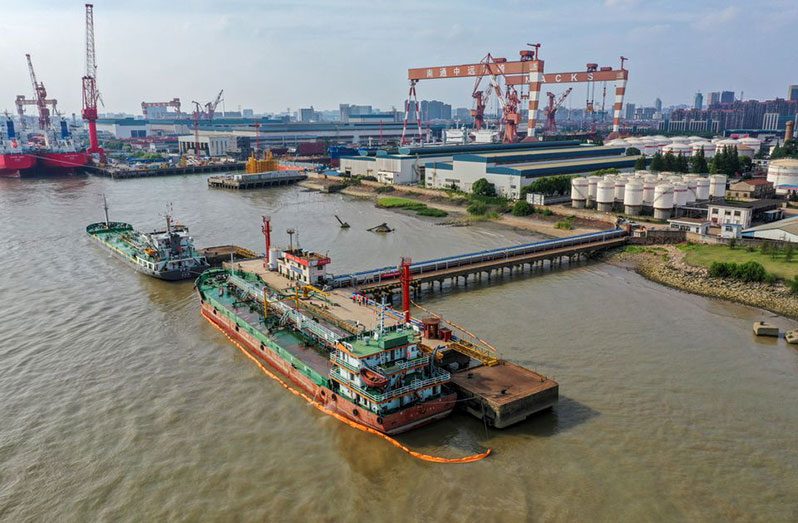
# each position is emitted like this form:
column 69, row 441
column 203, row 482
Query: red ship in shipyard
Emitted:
column 13, row 159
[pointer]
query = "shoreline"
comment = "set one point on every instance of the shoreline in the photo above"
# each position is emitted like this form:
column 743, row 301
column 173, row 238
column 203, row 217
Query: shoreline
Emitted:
column 664, row 264
column 458, row 216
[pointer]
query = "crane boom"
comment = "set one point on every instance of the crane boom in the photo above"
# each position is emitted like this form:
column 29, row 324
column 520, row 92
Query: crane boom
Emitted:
column 90, row 93
column 40, row 94
column 210, row 107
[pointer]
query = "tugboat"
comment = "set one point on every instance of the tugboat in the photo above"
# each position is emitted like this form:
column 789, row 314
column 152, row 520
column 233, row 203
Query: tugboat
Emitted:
column 167, row 254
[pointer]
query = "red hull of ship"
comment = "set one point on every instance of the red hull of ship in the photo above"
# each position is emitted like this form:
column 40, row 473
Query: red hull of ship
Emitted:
column 402, row 421
column 63, row 162
column 13, row 164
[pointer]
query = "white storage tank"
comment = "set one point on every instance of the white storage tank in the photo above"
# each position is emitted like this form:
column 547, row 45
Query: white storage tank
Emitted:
column 620, row 185
column 692, row 190
column 679, row 194
column 783, row 174
column 663, row 201
column 605, row 195
column 633, row 198
column 592, row 187
column 724, row 143
column 649, row 184
column 579, row 192
column 702, row 189
column 717, row 186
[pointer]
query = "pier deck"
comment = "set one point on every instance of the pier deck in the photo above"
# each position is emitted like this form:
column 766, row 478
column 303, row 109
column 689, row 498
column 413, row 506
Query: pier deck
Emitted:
column 170, row 171
column 504, row 394
column 255, row 181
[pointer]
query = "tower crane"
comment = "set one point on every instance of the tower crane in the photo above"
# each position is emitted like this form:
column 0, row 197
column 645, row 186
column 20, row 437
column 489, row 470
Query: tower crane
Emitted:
column 551, row 109
column 197, row 116
column 90, row 93
column 210, row 107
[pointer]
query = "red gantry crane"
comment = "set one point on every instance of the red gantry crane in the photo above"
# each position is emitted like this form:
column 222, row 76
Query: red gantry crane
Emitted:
column 90, row 93
column 528, row 71
column 551, row 109
column 174, row 103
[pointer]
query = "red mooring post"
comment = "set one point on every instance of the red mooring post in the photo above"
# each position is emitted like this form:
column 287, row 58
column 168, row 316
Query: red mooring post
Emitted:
column 406, row 279
column 267, row 234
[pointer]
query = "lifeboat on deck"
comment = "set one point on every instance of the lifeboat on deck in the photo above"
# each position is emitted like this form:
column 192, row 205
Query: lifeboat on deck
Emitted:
column 373, row 379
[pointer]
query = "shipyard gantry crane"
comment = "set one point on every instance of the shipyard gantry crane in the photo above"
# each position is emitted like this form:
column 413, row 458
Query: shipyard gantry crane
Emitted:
column 40, row 94
column 90, row 93
column 551, row 109
column 174, row 103
column 528, row 71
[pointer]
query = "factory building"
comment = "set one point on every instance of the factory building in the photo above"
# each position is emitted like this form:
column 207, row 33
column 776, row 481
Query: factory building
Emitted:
column 124, row 128
column 409, row 164
column 510, row 171
column 208, row 145
column 783, row 231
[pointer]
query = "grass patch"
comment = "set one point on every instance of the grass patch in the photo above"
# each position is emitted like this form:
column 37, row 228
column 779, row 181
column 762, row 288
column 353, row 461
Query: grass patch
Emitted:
column 774, row 263
column 639, row 249
column 421, row 209
column 566, row 223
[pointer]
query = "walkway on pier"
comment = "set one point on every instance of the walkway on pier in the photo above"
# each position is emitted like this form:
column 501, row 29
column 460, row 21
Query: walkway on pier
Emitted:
column 386, row 280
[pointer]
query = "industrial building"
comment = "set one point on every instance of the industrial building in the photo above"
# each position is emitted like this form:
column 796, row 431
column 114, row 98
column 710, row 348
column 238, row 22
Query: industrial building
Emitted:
column 409, row 164
column 208, row 145
column 783, row 230
column 510, row 171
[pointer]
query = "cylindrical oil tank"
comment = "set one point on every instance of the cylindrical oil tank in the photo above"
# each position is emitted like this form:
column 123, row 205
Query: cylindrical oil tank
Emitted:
column 649, row 184
column 717, row 186
column 579, row 192
column 783, row 173
column 605, row 195
column 592, row 188
column 679, row 194
column 692, row 190
column 702, row 189
column 620, row 184
column 663, row 201
column 633, row 198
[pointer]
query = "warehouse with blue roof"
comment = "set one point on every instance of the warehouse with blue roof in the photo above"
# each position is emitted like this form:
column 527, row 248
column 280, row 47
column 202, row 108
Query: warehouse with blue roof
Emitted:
column 510, row 171
column 408, row 164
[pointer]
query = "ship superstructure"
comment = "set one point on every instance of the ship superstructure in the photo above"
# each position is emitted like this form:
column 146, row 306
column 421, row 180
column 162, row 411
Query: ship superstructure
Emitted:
column 14, row 159
column 167, row 254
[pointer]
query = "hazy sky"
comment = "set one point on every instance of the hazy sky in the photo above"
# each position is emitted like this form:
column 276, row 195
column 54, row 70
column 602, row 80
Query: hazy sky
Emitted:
column 270, row 55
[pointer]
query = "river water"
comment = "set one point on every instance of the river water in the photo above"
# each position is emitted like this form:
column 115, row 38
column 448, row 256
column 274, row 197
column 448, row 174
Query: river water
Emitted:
column 119, row 402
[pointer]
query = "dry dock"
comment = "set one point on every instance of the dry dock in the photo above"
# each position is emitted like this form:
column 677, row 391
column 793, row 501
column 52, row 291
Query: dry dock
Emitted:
column 497, row 391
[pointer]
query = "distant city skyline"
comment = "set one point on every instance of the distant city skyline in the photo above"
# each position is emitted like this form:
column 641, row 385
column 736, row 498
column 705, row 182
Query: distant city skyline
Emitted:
column 271, row 56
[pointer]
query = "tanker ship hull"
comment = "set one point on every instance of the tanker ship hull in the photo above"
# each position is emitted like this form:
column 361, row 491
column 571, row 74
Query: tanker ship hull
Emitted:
column 395, row 423
column 16, row 164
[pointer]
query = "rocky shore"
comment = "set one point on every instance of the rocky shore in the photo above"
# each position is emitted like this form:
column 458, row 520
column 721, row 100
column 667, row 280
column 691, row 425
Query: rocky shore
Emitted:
column 666, row 265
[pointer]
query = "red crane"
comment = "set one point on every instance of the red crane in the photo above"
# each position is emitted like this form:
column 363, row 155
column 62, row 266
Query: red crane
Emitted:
column 197, row 115
column 90, row 93
column 551, row 109
column 41, row 97
column 210, row 107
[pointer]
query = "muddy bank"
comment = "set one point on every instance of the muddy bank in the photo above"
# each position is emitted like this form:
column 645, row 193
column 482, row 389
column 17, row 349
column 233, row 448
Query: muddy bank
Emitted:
column 666, row 265
column 455, row 206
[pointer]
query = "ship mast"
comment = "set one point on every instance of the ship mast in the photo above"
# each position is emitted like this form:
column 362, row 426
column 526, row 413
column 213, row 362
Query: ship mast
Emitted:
column 105, row 207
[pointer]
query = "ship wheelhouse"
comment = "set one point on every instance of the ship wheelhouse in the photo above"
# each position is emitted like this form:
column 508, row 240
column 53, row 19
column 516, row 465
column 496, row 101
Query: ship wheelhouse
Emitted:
column 385, row 372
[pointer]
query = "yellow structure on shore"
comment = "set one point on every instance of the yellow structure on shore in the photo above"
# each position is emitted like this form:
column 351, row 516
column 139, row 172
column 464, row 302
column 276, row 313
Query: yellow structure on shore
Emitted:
column 257, row 165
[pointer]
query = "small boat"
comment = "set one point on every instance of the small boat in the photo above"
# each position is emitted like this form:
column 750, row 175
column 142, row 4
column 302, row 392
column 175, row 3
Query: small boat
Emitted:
column 791, row 337
column 383, row 227
column 762, row 328
column 373, row 379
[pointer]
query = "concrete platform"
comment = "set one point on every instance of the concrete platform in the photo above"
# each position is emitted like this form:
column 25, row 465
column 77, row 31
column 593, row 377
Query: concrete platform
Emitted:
column 504, row 394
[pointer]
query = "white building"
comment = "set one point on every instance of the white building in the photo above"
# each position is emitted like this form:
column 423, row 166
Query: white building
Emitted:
column 209, row 145
column 720, row 213
column 303, row 266
column 694, row 225
column 782, row 230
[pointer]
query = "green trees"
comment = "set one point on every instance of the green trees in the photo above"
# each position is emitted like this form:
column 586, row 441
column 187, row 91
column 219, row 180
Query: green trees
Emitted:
column 550, row 186
column 657, row 163
column 727, row 161
column 632, row 151
column 680, row 164
column 640, row 163
column 749, row 271
column 522, row 208
column 698, row 162
column 483, row 187
column 608, row 170
column 787, row 150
